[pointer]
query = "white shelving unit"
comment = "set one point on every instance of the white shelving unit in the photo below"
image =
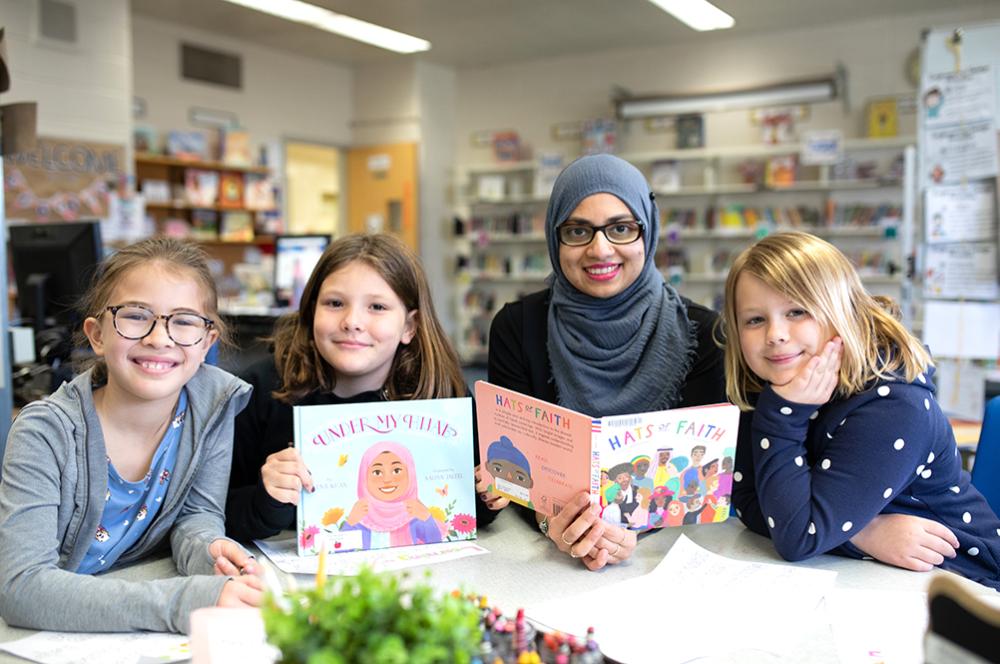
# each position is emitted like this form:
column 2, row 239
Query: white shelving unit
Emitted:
column 861, row 205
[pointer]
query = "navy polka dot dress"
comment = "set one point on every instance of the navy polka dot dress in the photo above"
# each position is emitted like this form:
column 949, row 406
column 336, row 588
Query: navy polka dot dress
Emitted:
column 811, row 478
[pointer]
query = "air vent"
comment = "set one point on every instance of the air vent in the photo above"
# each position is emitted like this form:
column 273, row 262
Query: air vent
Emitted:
column 208, row 66
column 57, row 21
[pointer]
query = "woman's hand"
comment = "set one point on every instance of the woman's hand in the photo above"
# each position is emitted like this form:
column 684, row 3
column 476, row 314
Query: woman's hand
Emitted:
column 580, row 532
column 417, row 510
column 284, row 473
column 906, row 541
column 241, row 592
column 231, row 559
column 358, row 512
column 816, row 381
column 494, row 501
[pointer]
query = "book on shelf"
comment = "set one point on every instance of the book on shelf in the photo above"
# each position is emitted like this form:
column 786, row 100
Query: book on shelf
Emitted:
column 387, row 474
column 236, row 226
column 549, row 167
column 176, row 227
column 201, row 187
column 204, row 225
column 599, row 136
column 506, row 146
column 156, row 191
column 230, row 190
column 690, row 131
column 883, row 118
column 234, row 147
column 780, row 171
column 645, row 470
column 258, row 192
column 190, row 145
column 665, row 175
column 145, row 139
column 491, row 187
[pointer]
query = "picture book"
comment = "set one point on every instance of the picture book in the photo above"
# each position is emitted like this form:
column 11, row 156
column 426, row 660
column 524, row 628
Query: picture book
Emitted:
column 204, row 225
column 234, row 147
column 145, row 139
column 690, row 131
column 646, row 470
column 236, row 226
column 201, row 188
column 386, row 473
column 230, row 190
column 258, row 192
column 191, row 145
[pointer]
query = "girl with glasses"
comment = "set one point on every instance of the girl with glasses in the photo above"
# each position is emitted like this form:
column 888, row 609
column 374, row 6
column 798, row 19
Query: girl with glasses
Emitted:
column 129, row 457
column 609, row 336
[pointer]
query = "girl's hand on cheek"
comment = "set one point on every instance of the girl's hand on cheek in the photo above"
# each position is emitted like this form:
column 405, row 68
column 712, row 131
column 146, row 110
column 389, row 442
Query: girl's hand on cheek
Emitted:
column 358, row 512
column 417, row 510
column 817, row 380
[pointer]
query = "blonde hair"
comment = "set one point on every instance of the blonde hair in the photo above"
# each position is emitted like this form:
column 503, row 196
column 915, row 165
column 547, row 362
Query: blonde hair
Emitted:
column 426, row 368
column 817, row 276
column 183, row 258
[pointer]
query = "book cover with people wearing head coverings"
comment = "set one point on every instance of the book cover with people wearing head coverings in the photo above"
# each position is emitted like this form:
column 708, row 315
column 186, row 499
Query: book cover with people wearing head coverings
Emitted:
column 646, row 470
column 386, row 473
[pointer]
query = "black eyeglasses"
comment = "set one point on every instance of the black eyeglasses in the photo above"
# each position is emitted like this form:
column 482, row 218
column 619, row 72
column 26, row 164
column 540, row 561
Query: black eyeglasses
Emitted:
column 617, row 232
column 135, row 322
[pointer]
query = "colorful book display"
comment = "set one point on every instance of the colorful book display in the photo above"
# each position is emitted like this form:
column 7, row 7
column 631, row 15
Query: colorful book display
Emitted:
column 386, row 473
column 201, row 187
column 647, row 470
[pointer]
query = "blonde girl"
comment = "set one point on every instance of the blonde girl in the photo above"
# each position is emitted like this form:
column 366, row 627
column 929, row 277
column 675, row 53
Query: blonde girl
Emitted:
column 129, row 457
column 365, row 331
column 843, row 447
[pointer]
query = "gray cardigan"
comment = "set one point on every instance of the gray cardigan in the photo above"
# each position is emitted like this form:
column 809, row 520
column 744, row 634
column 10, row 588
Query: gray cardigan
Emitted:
column 55, row 474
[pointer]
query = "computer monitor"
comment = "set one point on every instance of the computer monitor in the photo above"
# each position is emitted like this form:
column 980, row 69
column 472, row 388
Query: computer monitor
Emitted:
column 295, row 256
column 53, row 264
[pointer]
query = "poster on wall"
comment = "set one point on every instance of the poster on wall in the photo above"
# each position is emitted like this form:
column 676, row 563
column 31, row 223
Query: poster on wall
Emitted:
column 961, row 212
column 61, row 180
column 962, row 270
column 958, row 116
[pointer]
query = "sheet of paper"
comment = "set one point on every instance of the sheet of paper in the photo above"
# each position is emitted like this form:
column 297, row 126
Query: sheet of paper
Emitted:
column 962, row 329
column 230, row 636
column 283, row 554
column 959, row 126
column 752, row 606
column 113, row 648
column 871, row 626
column 961, row 387
column 960, row 213
column 961, row 270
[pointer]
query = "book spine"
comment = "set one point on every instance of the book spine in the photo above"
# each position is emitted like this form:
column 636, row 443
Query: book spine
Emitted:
column 595, row 463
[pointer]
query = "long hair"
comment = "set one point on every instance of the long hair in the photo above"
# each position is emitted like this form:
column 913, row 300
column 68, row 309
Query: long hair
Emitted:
column 426, row 368
column 818, row 277
column 183, row 258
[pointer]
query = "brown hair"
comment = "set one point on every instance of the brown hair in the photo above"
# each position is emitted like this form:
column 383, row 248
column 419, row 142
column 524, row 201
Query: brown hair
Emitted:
column 184, row 258
column 818, row 277
column 426, row 368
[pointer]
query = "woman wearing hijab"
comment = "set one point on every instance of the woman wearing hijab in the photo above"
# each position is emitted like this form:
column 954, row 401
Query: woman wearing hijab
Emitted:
column 609, row 336
column 388, row 511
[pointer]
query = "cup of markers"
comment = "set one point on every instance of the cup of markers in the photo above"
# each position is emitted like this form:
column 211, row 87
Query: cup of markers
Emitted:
column 517, row 641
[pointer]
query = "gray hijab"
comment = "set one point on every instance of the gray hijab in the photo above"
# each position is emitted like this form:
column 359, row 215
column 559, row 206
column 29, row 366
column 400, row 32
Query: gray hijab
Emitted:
column 628, row 353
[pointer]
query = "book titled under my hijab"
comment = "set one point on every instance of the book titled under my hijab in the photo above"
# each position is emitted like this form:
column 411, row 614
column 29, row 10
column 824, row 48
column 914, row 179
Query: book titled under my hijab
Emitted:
column 646, row 470
column 387, row 473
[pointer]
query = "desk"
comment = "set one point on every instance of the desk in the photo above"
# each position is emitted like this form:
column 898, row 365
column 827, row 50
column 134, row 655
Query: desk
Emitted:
column 523, row 568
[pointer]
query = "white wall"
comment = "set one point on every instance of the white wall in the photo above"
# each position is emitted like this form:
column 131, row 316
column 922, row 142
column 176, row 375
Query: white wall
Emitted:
column 83, row 92
column 386, row 104
column 283, row 95
column 531, row 97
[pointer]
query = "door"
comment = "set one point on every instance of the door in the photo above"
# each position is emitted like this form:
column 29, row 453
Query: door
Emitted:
column 312, row 174
column 382, row 191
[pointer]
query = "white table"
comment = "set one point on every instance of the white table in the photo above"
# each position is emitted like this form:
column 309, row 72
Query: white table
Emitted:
column 524, row 568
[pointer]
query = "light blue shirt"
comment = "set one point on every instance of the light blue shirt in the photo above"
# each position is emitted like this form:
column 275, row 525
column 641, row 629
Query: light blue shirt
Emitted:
column 129, row 507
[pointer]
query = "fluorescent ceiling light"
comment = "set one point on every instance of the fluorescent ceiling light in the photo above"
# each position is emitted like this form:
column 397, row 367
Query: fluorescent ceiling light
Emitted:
column 345, row 26
column 699, row 14
column 773, row 95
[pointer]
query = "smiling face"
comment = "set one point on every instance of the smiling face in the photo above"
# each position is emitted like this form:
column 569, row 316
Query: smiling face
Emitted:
column 387, row 478
column 641, row 468
column 777, row 336
column 154, row 368
column 510, row 471
column 601, row 269
column 358, row 325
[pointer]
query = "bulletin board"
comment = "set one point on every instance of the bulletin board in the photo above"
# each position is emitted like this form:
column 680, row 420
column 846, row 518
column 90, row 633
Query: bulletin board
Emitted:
column 959, row 141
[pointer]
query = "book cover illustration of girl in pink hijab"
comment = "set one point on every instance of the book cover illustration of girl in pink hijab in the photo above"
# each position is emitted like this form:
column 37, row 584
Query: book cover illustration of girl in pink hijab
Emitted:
column 385, row 477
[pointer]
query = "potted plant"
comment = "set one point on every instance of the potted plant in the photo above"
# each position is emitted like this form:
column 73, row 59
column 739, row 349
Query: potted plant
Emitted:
column 373, row 617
